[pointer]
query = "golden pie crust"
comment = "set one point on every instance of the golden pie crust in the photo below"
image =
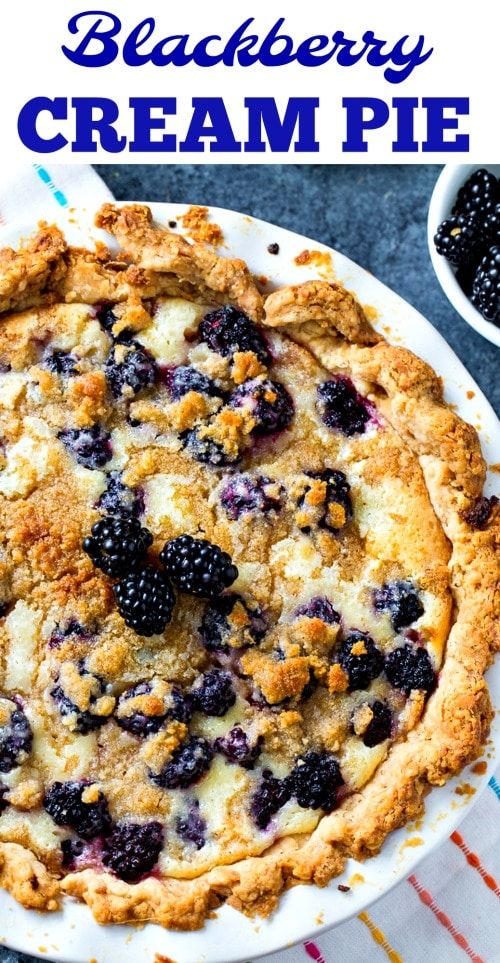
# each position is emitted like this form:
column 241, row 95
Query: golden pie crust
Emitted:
column 330, row 324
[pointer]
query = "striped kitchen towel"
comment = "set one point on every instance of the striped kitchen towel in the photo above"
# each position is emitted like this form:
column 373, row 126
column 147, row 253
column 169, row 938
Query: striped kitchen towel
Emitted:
column 33, row 192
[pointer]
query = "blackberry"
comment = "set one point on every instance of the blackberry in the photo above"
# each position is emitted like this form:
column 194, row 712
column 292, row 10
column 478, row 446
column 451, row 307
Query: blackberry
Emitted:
column 363, row 668
column 91, row 447
column 479, row 193
column 132, row 849
column 214, row 695
column 243, row 494
column 237, row 748
column 62, row 632
column 129, row 369
column 63, row 802
column 227, row 330
column 82, row 720
column 244, row 628
column 492, row 224
column 462, row 239
column 401, row 600
column 486, row 287
column 106, row 317
column 206, row 450
column 379, row 728
column 192, row 827
column 145, row 601
column 117, row 545
column 319, row 607
column 176, row 706
column 61, row 363
column 269, row 797
column 71, row 849
column 268, row 402
column 342, row 407
column 314, row 780
column 337, row 493
column 187, row 764
column 197, row 566
column 119, row 499
column 16, row 736
column 408, row 668
column 479, row 515
column 187, row 378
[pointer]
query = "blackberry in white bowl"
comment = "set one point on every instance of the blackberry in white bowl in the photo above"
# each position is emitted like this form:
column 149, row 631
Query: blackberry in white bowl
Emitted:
column 463, row 231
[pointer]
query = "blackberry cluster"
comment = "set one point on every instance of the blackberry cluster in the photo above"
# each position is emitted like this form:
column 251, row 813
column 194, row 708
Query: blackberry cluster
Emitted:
column 319, row 607
column 270, row 796
column 314, row 781
column 63, row 802
column 337, row 492
column 470, row 240
column 237, row 748
column 16, row 737
column 401, row 600
column 379, row 728
column 480, row 194
column 145, row 601
column 216, row 629
column 186, row 766
column 177, row 706
column 408, row 668
column 132, row 849
column 71, row 849
column 486, row 286
column 187, row 378
column 131, row 374
column 106, row 317
column 119, row 499
column 206, row 450
column 342, row 407
column 214, row 695
column 117, row 545
column 462, row 239
column 198, row 567
column 192, row 827
column 268, row 402
column 85, row 720
column 244, row 494
column 91, row 447
column 62, row 632
column 479, row 515
column 364, row 667
column 61, row 363
column 229, row 330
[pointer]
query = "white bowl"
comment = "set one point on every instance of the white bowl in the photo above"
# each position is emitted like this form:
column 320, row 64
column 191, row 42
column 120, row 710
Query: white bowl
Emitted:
column 72, row 935
column 445, row 191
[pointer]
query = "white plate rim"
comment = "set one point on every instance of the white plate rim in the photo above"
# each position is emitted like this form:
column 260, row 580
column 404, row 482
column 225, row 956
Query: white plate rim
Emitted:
column 71, row 935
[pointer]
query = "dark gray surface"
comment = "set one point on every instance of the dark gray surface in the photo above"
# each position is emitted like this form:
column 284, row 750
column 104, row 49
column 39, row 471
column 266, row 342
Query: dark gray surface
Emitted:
column 375, row 215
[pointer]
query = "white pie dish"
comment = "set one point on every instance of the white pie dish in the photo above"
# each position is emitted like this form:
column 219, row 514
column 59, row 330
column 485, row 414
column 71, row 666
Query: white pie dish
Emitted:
column 72, row 935
column 445, row 190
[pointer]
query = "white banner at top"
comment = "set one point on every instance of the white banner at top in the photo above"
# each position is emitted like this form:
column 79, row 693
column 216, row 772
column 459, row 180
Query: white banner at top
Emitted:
column 262, row 82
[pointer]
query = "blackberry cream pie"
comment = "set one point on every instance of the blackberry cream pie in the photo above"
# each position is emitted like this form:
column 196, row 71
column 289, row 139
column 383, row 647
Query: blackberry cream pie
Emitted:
column 247, row 580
